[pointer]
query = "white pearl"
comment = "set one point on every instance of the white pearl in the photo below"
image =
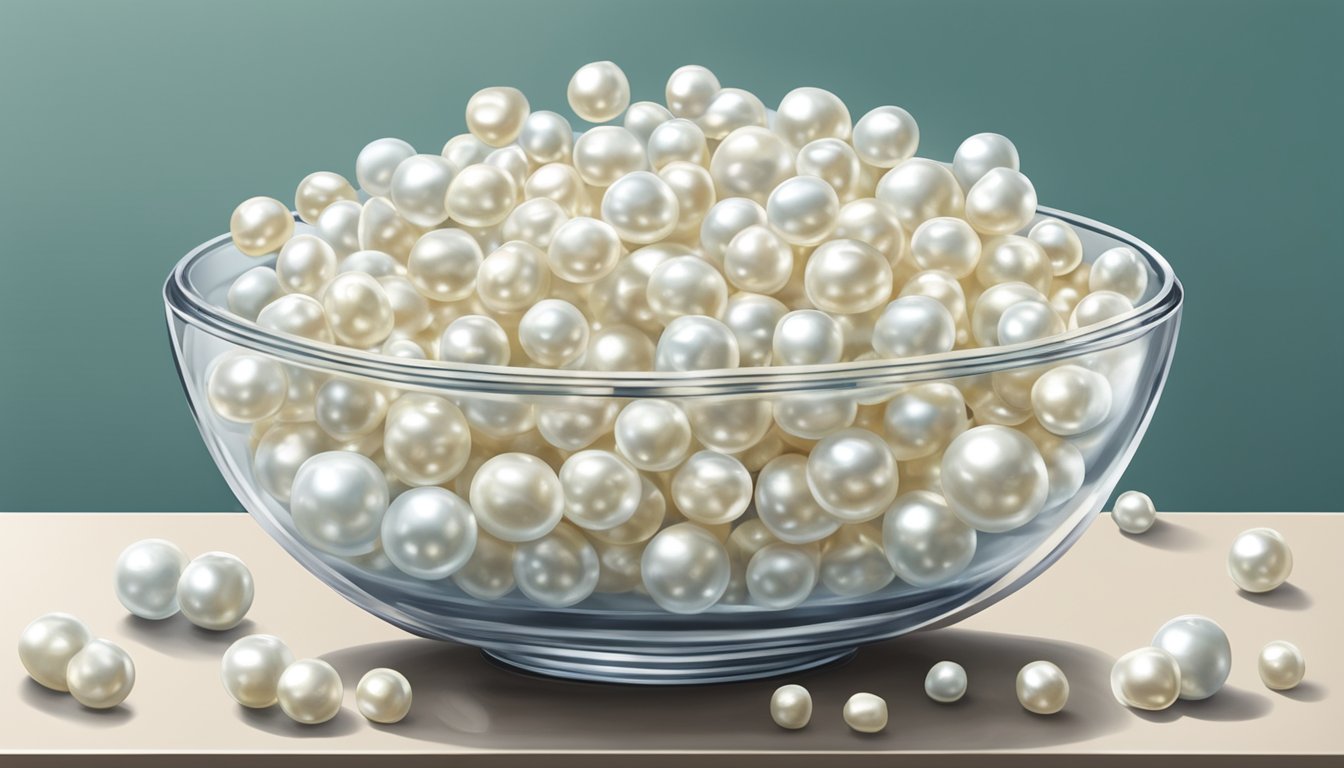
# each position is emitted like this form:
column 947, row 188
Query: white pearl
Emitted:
column 513, row 278
column 281, row 451
column 994, row 478
column 643, row 524
column 780, row 576
column 1070, row 400
column 921, row 420
column 488, row 575
column 1120, row 270
column 100, row 675
column 866, row 713
column 759, row 260
column 383, row 696
column 912, row 326
column 606, row 153
column 47, row 645
column 339, row 226
column 496, row 115
column 729, row 426
column 601, row 490
column 1001, row 202
column 712, row 488
column 216, row 590
column 1146, row 678
column 1012, row 258
column 558, row 569
column 947, row 243
column 517, row 497
column 852, row 474
column 377, row 162
column 1201, row 649
column 561, row 183
column 358, row 310
column 260, row 225
column 785, row 504
column 246, row 388
column 1042, row 688
column 979, row 154
column 886, row 137
column 443, row 264
column 310, row 691
column 853, row 563
column 464, row 149
column 752, row 318
column 621, row 298
column 382, row 228
column 513, row 161
column 474, row 339
column 807, row 114
column 428, row 533
column 252, row 291
column 546, row 137
column 319, row 190
column 925, row 542
column 991, row 306
column 847, row 277
column 305, row 265
column 146, row 578
column 677, row 140
column 919, row 190
column 730, row 109
column 807, row 337
column 251, row 669
column 791, row 707
column 803, row 210
column 347, row 409
column 833, row 161
column 571, row 424
column 619, row 348
column 685, row 568
column 690, row 90
column 1061, row 245
column 1134, row 512
column 696, row 343
column 693, row 187
column 686, row 285
column 481, row 195
column 1026, row 321
column 872, row 221
column 1259, row 560
column 599, row 92
column 1281, row 665
column 410, row 309
column 946, row 682
column 643, row 117
column 583, row 250
column 750, row 162
column 499, row 420
column 641, row 207
column 944, row 287
column 553, row 333
column 1098, row 307
column 724, row 221
column 418, row 188
column 337, row 502
column 814, row 415
column 653, row 435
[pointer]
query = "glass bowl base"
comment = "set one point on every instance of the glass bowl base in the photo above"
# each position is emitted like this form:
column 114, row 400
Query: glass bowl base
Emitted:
column 664, row 670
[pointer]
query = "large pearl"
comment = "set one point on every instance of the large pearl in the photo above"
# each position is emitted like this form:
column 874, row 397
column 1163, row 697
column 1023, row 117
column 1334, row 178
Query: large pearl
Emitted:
column 488, row 575
column 619, row 348
column 100, row 675
column 866, row 713
column 685, row 568
column 690, row 90
column 1281, row 665
column 297, row 315
column 991, row 306
column 1001, row 202
column 922, row 419
column 517, row 497
column 946, row 682
column 919, row 190
column 847, row 277
column 853, row 563
column 513, row 278
column 1013, row 259
column 347, row 408
column 1098, row 307
column 383, row 696
column 481, row 195
column 696, row 343
column 946, row 243
column 981, row 153
column 1259, row 560
column 599, row 92
column 677, row 140
column 712, row 488
column 337, row 502
column 305, row 265
column 47, row 645
column 803, row 210
column 496, row 115
column 410, row 310
column 1134, row 512
column 253, row 290
column 429, row 533
column 791, row 707
column 724, row 221
column 317, row 191
column 216, row 590
column 653, row 435
column 758, row 260
column 377, row 162
column 1070, row 400
column 310, row 691
column 753, row 318
column 780, row 576
column 994, row 478
column 339, row 226
column 785, row 503
column 246, row 388
column 807, row 337
column 730, row 109
column 601, row 490
column 643, row 117
column 944, row 287
column 554, row 333
column 606, row 153
column 1146, row 678
column 251, row 669
column 260, row 225
column 807, row 114
column 546, row 137
column 750, row 162
column 583, row 250
column 1042, row 688
column 358, row 310
column 924, row 541
column 886, row 137
column 558, row 569
column 1120, row 270
column 146, row 578
column 418, row 188
column 1061, row 245
column 641, row 207
column 686, row 285
column 912, row 326
column 1201, row 650
column 853, row 475
column 474, row 339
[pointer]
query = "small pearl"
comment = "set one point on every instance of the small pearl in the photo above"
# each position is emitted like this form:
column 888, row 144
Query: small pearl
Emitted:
column 686, row 285
column 1147, row 678
column 488, row 575
column 513, row 277
column 348, row 409
column 653, row 435
column 1120, row 270
column 246, row 388
column 474, row 339
column 925, row 542
column 853, row 563
column 919, row 190
column 583, row 250
column 712, row 488
column 912, row 326
column 979, row 154
column 781, row 576
column 496, row 115
column 992, row 305
column 946, row 682
column 553, row 333
column 947, row 243
column 853, row 475
column 146, row 578
column 847, row 277
column 464, row 149
column 690, row 90
column 1259, row 560
column 785, row 504
column 558, row 569
column 253, row 290
column 866, row 713
column 317, row 191
column 428, row 533
column 481, row 195
column 599, row 92
column 1027, row 321
column 305, row 265
column 383, row 696
column 215, row 591
column 677, row 140
column 601, row 490
column 807, row 337
column 750, row 162
column 759, row 260
column 641, row 207
column 1060, row 243
column 47, row 645
column 1134, row 512
column 807, row 114
column 724, row 221
column 418, row 188
column 337, row 502
column 358, row 310
column 791, row 707
column 803, row 210
column 696, row 343
column 619, row 348
column 753, row 318
column 994, row 478
column 875, row 223
column 1070, row 400
column 377, row 162
column 833, row 161
column 310, row 691
column 1001, row 202
column 546, row 137
column 100, row 675
column 1281, row 666
column 643, row 117
column 1011, row 259
column 338, row 224
column 886, row 137
column 921, row 420
column 606, row 153
column 685, row 568
column 1042, row 688
column 1098, row 307
column 730, row 109
column 1201, row 650
column 251, row 669
column 561, row 183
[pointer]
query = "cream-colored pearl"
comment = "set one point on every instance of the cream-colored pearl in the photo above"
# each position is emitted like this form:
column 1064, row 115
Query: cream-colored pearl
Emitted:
column 1011, row 259
column 1120, row 270
column 410, row 310
column 1146, row 678
column 481, row 195
column 946, row 243
column 807, row 337
column 253, row 290
column 641, row 207
column 853, row 475
column 305, row 265
column 474, row 339
column 685, row 568
column 847, row 277
column 1259, row 560
column 100, row 675
column 251, row 669
column 712, row 488
column 866, row 713
column 513, row 161
column 339, row 226
column 47, row 645
column 317, row 191
column 601, row 490
column 728, row 218
column 358, row 310
column 813, row 416
column 1027, row 321
column 1001, row 202
column 546, row 137
column 425, row 439
column 418, row 187
column 246, row 388
column 553, row 333
column 979, row 154
column 807, row 114
column 573, row 423
column 750, row 162
column 994, row 478
column 992, row 305
column 686, row 285
column 382, row 228
column 729, row 426
column 786, row 505
column 517, row 497
column 791, row 707
column 146, row 578
column 694, row 189
column 598, row 92
column 643, row 117
column 377, row 162
column 280, row 453
column 872, row 221
column 622, row 296
column 383, row 696
column 443, row 264
column 619, row 348
column 583, row 250
column 730, row 109
column 653, row 435
column 606, row 153
column 853, row 563
column 561, row 183
column 1281, row 666
column 886, row 137
column 924, row 541
column 1042, row 688
column 310, row 691
column 678, row 139
column 1061, row 245
column 496, row 115
column 690, row 90
column 618, row 566
column 919, row 190
column 297, row 315
column 643, row 524
column 1134, row 512
column 922, row 419
column 912, row 326
column 464, row 149
column 696, row 343
column 513, row 278
column 833, row 161
column 215, row 590
column 1098, row 307
column 946, row 290
column 946, row 682
column 759, row 260
column 803, row 210
column 1070, row 400
column 753, row 318
column 488, row 575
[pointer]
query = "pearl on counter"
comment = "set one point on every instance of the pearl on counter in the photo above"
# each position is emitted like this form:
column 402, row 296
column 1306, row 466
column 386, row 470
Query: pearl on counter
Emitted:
column 924, row 541
column 215, row 591
column 260, row 225
column 517, row 497
column 1259, row 560
column 47, row 645
column 337, row 502
column 1134, row 512
column 1201, row 650
column 946, row 682
column 146, row 578
column 1146, row 678
column 251, row 669
column 791, row 707
column 852, row 474
column 994, row 478
column 1281, row 665
column 685, row 568
column 866, row 713
column 428, row 532
column 1042, row 688
column 383, row 696
column 100, row 675
column 310, row 691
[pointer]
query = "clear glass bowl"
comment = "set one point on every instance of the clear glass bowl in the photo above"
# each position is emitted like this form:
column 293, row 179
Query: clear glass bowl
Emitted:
column 626, row 637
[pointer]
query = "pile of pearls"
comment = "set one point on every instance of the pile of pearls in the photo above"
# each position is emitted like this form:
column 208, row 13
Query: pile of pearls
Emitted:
column 702, row 234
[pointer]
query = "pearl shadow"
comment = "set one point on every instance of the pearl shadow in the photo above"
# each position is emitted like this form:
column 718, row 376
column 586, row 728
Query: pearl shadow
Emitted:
column 1168, row 536
column 1308, row 690
column 175, row 636
column 64, row 706
column 465, row 700
column 1231, row 704
column 1288, row 597
column 274, row 720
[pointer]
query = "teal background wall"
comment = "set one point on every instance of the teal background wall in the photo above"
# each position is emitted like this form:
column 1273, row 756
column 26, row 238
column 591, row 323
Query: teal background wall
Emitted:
column 129, row 130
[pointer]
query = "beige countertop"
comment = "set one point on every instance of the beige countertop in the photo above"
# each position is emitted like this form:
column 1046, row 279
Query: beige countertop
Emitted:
column 1106, row 596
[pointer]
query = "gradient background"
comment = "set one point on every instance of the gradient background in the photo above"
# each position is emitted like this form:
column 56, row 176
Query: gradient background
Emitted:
column 129, row 131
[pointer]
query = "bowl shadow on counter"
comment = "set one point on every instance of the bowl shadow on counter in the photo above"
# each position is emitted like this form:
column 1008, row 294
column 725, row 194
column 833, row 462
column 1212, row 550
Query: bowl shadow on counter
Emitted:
column 175, row 636
column 463, row 699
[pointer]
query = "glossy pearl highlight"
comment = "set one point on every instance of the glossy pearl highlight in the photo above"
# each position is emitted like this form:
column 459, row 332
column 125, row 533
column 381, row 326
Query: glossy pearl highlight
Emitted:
column 215, row 591
column 47, row 645
column 260, row 225
column 946, row 682
column 310, row 691
column 994, row 478
column 1281, row 666
column 100, row 675
column 1201, row 650
column 1147, row 678
column 1259, row 560
column 251, row 669
column 383, row 696
column 1042, row 688
column 146, row 578
column 1134, row 512
column 791, row 707
column 866, row 713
